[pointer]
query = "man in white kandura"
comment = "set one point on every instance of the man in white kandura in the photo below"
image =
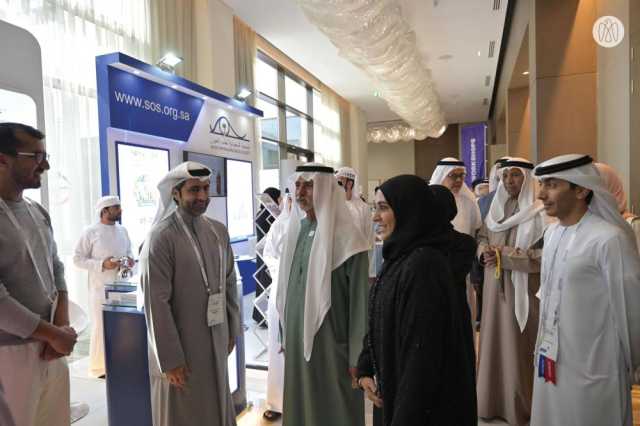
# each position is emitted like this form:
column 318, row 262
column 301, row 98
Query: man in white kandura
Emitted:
column 274, row 241
column 100, row 250
column 191, row 304
column 360, row 211
column 588, row 341
column 451, row 172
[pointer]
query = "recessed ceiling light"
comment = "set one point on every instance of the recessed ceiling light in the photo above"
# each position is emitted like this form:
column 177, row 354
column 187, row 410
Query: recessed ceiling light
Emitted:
column 479, row 53
column 525, row 73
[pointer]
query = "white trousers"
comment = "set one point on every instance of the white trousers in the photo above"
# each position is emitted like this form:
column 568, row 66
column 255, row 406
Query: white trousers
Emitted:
column 96, row 344
column 275, row 375
column 36, row 391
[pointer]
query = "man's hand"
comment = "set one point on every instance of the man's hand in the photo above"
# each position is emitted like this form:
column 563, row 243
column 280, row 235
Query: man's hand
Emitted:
column 178, row 377
column 353, row 373
column 49, row 354
column 109, row 264
column 61, row 341
column 369, row 387
column 489, row 256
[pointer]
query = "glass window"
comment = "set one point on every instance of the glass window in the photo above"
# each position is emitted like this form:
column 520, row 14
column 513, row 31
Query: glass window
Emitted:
column 295, row 94
column 270, row 155
column 297, row 130
column 269, row 178
column 266, row 78
column 269, row 123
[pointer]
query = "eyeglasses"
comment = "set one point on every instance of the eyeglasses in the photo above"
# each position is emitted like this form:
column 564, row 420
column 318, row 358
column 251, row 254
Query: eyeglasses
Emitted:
column 39, row 156
column 456, row 176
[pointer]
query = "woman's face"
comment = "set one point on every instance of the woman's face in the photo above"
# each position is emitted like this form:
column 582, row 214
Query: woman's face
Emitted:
column 383, row 217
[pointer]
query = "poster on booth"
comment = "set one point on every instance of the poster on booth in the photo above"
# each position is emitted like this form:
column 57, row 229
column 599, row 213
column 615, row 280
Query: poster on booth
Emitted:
column 153, row 116
column 473, row 150
column 140, row 169
column 144, row 106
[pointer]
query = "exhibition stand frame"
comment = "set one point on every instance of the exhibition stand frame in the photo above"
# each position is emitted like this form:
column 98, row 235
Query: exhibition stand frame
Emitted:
column 150, row 121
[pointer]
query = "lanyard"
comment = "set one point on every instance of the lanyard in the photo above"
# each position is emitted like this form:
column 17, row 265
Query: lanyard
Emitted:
column 194, row 245
column 49, row 293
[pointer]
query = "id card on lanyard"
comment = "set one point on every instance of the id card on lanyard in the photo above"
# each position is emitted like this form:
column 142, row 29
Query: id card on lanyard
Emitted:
column 215, row 301
column 51, row 294
column 548, row 340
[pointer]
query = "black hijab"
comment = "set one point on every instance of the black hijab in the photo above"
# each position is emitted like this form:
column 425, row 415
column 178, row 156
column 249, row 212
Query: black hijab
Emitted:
column 274, row 193
column 419, row 220
column 445, row 200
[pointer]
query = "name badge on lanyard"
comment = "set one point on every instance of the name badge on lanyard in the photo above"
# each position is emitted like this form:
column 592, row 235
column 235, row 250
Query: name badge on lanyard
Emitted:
column 215, row 301
column 215, row 309
column 548, row 340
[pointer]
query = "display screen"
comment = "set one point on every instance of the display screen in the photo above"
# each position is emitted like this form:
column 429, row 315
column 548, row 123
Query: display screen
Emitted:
column 216, row 164
column 240, row 220
column 140, row 169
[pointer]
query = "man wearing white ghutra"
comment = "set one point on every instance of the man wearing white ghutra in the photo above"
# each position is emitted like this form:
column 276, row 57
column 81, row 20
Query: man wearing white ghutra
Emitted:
column 191, row 304
column 588, row 343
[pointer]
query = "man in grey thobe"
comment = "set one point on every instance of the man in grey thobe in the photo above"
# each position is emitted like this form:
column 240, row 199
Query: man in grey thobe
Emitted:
column 190, row 303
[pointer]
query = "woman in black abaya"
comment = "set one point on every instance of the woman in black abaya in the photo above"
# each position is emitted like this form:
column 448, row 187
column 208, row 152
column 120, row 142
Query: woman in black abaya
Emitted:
column 413, row 365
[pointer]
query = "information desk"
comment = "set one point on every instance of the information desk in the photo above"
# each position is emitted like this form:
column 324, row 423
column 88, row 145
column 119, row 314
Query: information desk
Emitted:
column 127, row 367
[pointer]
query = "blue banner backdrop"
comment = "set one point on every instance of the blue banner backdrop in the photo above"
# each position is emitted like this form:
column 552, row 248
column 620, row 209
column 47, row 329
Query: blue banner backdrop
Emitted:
column 144, row 106
column 473, row 150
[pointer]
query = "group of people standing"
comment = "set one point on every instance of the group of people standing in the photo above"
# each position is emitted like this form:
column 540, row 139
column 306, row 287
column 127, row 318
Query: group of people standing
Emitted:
column 559, row 338
column 559, row 333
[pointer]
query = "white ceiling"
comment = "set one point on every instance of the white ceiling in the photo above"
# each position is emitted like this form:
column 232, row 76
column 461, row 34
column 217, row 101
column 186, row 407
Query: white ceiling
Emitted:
column 460, row 28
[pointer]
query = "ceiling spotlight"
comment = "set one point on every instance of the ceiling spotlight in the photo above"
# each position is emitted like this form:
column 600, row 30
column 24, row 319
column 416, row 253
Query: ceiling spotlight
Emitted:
column 525, row 73
column 243, row 93
column 168, row 62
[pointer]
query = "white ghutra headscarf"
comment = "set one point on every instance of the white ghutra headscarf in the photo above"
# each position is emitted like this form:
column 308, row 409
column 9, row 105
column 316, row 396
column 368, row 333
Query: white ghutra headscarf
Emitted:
column 580, row 170
column 335, row 241
column 104, row 202
column 530, row 221
column 495, row 173
column 468, row 219
column 177, row 175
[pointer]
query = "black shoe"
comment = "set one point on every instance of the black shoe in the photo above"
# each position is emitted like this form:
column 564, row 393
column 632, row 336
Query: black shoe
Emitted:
column 271, row 415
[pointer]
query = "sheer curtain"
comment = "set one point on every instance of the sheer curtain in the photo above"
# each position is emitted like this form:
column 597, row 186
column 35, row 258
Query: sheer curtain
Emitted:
column 71, row 33
column 327, row 131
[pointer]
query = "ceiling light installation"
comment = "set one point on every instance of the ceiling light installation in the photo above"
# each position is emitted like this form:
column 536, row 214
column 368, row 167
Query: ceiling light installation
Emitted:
column 373, row 35
column 396, row 132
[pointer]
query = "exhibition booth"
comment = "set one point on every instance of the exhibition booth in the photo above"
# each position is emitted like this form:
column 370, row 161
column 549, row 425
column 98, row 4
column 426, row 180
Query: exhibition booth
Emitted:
column 151, row 121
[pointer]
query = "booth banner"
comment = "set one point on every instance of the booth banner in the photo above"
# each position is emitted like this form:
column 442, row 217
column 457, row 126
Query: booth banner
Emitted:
column 473, row 150
column 144, row 106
